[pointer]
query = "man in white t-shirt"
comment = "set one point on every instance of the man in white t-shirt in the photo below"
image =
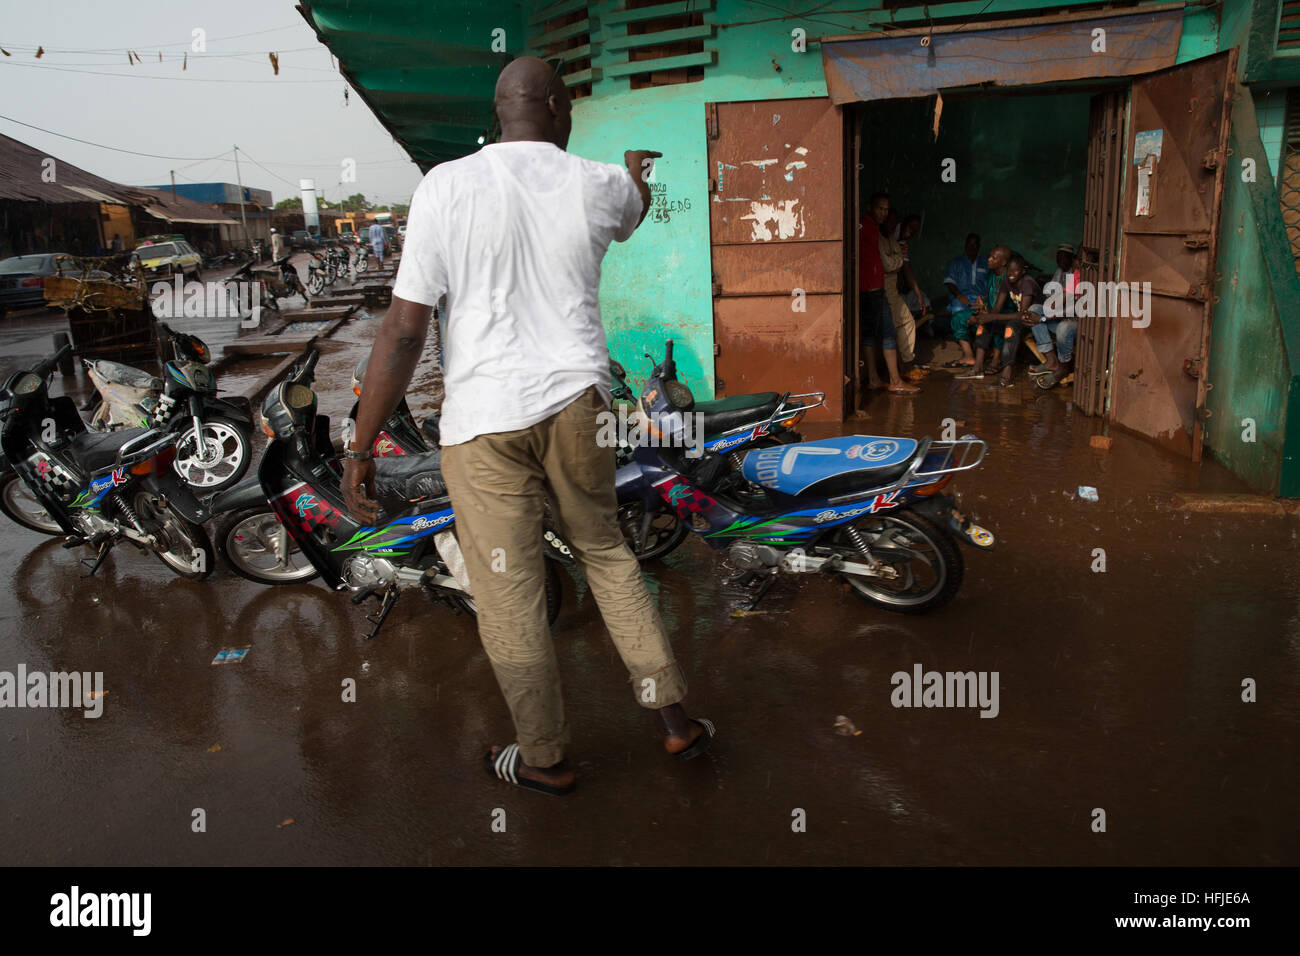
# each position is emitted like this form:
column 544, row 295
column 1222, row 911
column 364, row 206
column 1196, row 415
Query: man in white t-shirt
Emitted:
column 514, row 236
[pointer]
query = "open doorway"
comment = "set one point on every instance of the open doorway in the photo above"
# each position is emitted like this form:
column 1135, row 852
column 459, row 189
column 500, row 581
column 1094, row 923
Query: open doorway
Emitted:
column 1028, row 169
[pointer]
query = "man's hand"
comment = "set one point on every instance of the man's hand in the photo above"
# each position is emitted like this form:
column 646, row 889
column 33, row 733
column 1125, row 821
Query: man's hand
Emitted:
column 640, row 164
column 965, row 302
column 1029, row 318
column 359, row 490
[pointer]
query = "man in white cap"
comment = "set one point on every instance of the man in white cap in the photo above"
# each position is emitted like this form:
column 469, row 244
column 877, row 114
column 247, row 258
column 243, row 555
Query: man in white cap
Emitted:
column 1067, row 275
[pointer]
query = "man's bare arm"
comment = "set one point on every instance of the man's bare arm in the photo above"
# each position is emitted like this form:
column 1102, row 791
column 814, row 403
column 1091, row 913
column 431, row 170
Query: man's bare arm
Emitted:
column 638, row 167
column 393, row 358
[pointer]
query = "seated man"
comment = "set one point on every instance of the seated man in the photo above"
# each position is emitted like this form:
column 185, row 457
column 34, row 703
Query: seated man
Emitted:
column 1058, row 355
column 966, row 279
column 1000, row 323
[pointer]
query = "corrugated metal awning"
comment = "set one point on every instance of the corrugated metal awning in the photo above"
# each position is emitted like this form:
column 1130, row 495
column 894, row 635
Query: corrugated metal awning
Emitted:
column 895, row 67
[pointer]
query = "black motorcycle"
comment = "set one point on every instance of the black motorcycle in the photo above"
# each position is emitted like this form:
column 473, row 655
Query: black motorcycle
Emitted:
column 100, row 488
column 215, row 434
column 410, row 547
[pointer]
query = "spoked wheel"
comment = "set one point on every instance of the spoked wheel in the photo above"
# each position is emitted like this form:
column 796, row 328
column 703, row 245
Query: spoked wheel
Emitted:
column 554, row 595
column 363, row 263
column 219, row 462
column 20, row 505
column 927, row 566
column 315, row 283
column 183, row 546
column 664, row 533
column 257, row 547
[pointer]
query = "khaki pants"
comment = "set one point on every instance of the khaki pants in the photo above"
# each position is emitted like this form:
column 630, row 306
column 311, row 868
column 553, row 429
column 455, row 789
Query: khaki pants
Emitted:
column 498, row 485
column 904, row 322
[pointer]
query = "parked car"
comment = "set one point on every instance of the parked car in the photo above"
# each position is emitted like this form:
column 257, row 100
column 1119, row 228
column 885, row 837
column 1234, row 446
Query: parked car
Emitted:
column 302, row 239
column 22, row 280
column 162, row 260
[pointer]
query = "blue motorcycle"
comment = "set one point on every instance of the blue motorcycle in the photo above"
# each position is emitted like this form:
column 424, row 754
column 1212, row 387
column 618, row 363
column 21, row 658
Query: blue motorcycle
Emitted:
column 870, row 509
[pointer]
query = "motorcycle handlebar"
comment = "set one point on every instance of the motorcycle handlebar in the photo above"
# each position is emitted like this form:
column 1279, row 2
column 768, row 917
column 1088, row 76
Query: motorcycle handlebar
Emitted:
column 43, row 369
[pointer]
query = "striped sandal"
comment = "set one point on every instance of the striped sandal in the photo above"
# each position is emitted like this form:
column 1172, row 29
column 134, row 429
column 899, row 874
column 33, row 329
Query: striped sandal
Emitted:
column 702, row 743
column 505, row 766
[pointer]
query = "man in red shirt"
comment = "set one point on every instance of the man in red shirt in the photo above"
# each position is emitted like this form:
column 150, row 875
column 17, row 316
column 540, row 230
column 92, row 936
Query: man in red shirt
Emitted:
column 874, row 315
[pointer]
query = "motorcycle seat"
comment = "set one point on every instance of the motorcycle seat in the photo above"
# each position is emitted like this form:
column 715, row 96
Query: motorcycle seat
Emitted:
column 96, row 451
column 410, row 477
column 116, row 373
column 722, row 414
column 830, row 466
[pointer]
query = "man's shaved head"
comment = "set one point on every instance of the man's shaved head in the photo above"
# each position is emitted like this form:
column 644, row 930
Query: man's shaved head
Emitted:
column 532, row 103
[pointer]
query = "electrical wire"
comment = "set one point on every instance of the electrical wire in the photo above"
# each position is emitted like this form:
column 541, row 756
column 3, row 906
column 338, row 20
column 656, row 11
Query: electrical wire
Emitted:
column 115, row 149
column 142, row 76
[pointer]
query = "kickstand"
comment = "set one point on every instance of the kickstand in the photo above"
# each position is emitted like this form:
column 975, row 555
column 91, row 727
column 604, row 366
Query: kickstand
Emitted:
column 768, row 580
column 104, row 548
column 385, row 605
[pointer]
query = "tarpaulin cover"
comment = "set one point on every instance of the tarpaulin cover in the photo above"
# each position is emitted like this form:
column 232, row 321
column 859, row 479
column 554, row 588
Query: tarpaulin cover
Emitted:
column 900, row 67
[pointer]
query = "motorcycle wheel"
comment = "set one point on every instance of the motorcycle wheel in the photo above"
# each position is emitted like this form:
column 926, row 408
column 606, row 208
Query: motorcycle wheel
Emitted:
column 363, row 263
column 911, row 544
column 554, row 595
column 666, row 532
column 251, row 542
column 315, row 283
column 188, row 547
column 227, row 469
column 22, row 507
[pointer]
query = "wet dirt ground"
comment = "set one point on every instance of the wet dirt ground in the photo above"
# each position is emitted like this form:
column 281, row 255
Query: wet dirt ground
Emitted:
column 1118, row 690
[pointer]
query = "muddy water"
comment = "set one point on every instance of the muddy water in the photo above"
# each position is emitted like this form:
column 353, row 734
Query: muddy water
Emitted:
column 1118, row 690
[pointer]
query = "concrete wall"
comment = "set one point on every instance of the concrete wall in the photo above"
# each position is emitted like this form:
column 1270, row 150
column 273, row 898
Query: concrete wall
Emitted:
column 1021, row 162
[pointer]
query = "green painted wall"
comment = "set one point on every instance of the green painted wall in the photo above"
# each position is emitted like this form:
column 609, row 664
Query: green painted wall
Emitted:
column 1270, row 111
column 658, row 285
column 1256, row 326
column 1020, row 171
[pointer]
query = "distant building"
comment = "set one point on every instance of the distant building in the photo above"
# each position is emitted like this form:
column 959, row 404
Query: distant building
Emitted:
column 257, row 203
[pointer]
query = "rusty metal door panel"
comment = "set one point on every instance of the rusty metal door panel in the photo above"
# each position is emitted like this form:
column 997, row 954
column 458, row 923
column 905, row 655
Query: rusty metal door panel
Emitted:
column 776, row 215
column 775, row 268
column 1156, row 389
column 1098, row 256
column 764, row 347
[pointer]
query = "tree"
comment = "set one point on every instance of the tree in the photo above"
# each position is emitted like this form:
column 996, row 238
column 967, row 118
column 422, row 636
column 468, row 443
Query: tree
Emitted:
column 293, row 202
column 400, row 209
column 356, row 203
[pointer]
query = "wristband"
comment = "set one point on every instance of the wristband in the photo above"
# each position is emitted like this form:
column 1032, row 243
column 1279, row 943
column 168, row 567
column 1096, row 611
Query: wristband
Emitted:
column 353, row 455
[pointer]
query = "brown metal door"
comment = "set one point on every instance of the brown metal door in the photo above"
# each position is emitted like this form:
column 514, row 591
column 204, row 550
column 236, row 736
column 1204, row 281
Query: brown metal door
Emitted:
column 776, row 219
column 1099, row 254
column 1170, row 236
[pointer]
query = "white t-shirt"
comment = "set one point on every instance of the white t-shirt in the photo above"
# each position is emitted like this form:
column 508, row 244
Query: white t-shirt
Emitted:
column 514, row 236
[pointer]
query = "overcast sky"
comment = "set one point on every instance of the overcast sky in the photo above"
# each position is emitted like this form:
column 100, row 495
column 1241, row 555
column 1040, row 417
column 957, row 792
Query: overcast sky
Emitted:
column 296, row 125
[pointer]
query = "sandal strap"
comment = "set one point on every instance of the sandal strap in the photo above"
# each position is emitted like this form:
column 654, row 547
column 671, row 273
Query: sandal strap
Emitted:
column 507, row 763
column 707, row 725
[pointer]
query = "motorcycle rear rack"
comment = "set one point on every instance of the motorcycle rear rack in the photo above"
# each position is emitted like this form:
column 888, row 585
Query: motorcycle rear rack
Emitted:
column 783, row 410
column 968, row 445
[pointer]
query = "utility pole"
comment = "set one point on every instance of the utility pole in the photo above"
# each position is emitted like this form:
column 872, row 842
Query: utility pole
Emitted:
column 247, row 242
column 174, row 185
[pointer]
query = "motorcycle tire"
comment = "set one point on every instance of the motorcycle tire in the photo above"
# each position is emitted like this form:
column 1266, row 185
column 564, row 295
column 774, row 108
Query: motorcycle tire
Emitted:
column 316, row 283
column 658, row 543
column 190, row 555
column 244, row 543
column 222, row 429
column 554, row 595
column 21, row 507
column 948, row 575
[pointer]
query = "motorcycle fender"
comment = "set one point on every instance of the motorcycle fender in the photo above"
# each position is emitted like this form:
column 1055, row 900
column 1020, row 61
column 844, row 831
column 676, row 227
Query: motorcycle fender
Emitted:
column 178, row 495
column 247, row 494
column 943, row 510
column 238, row 412
column 632, row 483
column 557, row 549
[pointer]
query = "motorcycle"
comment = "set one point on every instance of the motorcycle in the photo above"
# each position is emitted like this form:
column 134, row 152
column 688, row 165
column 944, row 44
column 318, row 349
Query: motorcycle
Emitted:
column 738, row 422
column 412, row 547
column 214, row 446
column 869, row 509
column 101, row 488
column 317, row 274
column 276, row 283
